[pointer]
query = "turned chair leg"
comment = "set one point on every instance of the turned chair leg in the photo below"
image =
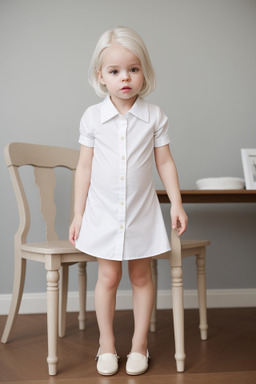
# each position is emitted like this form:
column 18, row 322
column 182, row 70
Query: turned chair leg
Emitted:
column 82, row 297
column 52, row 319
column 201, row 284
column 63, row 300
column 178, row 317
column 82, row 282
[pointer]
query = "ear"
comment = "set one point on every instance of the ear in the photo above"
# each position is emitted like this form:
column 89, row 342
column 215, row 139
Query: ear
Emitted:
column 100, row 77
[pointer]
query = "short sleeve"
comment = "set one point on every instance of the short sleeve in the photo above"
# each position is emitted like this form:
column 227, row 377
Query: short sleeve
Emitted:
column 161, row 134
column 86, row 131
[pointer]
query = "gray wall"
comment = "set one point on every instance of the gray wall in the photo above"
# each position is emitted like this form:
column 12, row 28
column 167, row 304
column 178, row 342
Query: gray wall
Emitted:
column 204, row 54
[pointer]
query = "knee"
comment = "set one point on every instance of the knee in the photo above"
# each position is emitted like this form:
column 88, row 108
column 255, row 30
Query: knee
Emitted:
column 140, row 277
column 109, row 278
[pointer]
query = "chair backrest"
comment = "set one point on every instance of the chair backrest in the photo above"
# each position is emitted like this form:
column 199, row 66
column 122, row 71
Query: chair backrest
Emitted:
column 44, row 159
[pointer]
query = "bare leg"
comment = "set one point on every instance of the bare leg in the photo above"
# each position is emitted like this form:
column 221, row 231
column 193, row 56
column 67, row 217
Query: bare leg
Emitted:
column 109, row 276
column 143, row 299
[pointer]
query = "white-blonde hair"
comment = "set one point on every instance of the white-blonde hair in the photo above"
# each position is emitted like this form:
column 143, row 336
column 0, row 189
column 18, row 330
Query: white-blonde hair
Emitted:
column 130, row 40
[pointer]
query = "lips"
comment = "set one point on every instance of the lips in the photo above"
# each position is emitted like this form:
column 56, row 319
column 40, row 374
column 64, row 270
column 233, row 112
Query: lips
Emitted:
column 126, row 89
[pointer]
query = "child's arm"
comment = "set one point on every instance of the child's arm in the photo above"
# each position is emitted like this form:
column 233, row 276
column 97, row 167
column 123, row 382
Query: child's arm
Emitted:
column 82, row 183
column 168, row 173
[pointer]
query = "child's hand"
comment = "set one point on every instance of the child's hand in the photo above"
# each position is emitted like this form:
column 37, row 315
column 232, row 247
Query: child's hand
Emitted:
column 74, row 229
column 179, row 218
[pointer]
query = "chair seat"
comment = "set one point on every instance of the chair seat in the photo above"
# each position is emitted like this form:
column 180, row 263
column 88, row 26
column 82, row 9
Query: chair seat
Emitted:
column 63, row 248
column 50, row 247
column 186, row 245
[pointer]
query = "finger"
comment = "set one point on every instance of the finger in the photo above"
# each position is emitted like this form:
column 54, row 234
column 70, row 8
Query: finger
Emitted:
column 174, row 222
column 72, row 236
column 76, row 233
column 182, row 226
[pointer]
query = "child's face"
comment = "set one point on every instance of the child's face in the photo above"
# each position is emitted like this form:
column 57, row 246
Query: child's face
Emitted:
column 121, row 73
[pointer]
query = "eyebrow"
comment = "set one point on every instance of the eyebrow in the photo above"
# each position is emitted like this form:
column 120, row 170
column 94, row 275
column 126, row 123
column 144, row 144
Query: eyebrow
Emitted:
column 111, row 66
column 117, row 66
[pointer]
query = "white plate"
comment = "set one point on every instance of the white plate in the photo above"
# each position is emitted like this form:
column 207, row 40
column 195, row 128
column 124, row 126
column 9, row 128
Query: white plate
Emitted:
column 220, row 183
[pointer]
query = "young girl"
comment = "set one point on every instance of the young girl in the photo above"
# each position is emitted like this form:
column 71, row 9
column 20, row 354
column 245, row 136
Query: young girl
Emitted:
column 117, row 213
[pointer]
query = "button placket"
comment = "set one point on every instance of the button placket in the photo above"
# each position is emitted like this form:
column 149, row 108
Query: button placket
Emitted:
column 122, row 185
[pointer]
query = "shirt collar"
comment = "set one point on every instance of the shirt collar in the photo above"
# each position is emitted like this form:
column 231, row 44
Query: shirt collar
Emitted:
column 139, row 109
column 108, row 110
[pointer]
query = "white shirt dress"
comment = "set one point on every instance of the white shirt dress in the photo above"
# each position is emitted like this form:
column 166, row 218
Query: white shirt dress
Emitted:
column 123, row 218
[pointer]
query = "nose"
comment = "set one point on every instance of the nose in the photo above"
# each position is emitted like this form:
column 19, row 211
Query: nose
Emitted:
column 125, row 77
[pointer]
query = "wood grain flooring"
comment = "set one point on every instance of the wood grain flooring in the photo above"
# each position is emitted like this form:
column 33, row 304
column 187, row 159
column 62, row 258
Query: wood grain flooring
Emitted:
column 227, row 357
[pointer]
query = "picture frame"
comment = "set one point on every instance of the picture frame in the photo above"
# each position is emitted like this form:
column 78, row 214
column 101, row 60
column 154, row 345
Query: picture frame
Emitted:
column 249, row 167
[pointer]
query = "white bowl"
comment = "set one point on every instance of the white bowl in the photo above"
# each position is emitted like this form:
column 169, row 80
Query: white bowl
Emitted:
column 220, row 183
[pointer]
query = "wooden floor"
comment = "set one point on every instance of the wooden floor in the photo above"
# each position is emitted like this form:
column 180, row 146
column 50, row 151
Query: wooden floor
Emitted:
column 227, row 357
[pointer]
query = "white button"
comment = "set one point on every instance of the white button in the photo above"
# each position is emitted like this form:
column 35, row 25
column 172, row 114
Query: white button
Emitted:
column 121, row 226
column 122, row 157
column 121, row 203
column 122, row 117
column 122, row 137
column 121, row 177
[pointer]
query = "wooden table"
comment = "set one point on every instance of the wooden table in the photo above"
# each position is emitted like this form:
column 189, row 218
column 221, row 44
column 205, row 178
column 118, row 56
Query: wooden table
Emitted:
column 212, row 196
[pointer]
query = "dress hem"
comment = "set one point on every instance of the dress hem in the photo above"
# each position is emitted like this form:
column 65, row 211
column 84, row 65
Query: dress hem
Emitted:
column 124, row 259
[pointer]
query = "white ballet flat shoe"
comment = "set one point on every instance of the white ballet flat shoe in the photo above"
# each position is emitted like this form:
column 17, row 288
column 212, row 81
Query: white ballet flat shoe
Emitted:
column 136, row 363
column 107, row 363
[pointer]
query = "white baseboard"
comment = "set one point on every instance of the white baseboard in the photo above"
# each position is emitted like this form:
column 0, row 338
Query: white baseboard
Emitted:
column 216, row 298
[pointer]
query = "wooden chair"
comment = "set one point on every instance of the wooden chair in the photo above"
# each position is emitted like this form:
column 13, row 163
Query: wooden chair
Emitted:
column 52, row 252
column 180, row 249
column 56, row 254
